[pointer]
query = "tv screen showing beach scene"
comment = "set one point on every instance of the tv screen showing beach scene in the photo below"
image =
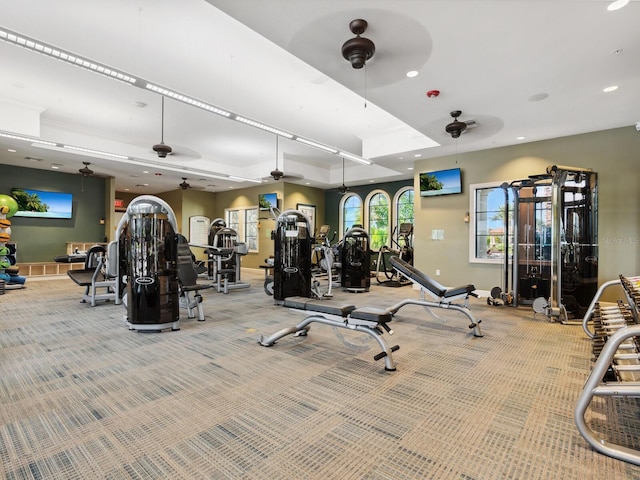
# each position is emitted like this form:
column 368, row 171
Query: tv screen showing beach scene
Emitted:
column 441, row 182
column 267, row 200
column 41, row 204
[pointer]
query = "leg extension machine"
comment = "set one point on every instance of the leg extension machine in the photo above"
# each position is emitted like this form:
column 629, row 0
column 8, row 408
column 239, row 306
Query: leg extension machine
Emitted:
column 371, row 321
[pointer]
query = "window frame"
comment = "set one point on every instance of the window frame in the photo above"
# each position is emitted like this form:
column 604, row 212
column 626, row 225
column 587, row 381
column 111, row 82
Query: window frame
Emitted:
column 473, row 233
column 341, row 219
column 367, row 215
column 240, row 228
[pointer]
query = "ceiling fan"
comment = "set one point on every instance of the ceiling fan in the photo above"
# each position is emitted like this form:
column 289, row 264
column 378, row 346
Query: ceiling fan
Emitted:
column 184, row 185
column 343, row 188
column 86, row 171
column 457, row 127
column 278, row 174
column 162, row 149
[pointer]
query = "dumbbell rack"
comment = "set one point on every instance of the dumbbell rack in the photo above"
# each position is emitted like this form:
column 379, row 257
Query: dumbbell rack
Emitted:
column 616, row 370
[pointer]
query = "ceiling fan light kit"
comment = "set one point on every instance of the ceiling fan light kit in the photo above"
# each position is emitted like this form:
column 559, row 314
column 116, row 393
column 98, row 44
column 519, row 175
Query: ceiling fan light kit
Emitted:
column 359, row 49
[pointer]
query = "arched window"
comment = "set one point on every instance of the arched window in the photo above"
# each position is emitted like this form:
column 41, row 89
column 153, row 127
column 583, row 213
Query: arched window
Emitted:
column 378, row 219
column 350, row 212
column 403, row 208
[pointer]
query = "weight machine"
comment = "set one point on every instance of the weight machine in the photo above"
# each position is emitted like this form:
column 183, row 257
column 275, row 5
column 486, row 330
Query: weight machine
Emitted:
column 553, row 262
column 147, row 263
column 292, row 256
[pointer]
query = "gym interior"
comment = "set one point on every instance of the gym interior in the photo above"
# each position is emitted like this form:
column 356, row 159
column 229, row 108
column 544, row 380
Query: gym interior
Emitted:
column 489, row 333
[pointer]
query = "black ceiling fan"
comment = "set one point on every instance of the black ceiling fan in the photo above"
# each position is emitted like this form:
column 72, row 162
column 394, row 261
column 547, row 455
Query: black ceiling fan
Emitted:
column 86, row 171
column 162, row 149
column 278, row 174
column 458, row 127
column 343, row 188
column 184, row 185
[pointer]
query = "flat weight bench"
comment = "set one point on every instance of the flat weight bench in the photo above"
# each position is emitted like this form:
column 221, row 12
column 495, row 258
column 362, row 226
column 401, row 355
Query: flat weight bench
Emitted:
column 444, row 297
column 371, row 321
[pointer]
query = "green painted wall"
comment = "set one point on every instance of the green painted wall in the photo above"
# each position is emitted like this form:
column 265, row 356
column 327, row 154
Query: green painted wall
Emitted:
column 41, row 239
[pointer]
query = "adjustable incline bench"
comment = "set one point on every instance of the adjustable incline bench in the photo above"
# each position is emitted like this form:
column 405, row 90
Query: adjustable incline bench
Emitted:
column 371, row 321
column 444, row 297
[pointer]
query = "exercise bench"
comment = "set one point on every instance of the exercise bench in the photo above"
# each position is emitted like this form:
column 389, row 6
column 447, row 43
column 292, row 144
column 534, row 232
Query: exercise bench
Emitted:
column 99, row 277
column 371, row 321
column 443, row 297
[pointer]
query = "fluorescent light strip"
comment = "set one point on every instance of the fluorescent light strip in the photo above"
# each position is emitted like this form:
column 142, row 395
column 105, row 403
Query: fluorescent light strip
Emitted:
column 242, row 179
column 188, row 100
column 52, row 52
column 317, row 145
column 27, row 139
column 355, row 158
column 96, row 152
column 263, row 126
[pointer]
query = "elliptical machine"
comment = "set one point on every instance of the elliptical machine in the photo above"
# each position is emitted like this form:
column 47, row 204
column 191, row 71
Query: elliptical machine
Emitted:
column 402, row 238
column 324, row 261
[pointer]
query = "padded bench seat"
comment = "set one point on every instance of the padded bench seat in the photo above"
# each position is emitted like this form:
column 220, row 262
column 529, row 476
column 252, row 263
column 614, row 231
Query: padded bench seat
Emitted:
column 349, row 311
column 84, row 278
column 371, row 321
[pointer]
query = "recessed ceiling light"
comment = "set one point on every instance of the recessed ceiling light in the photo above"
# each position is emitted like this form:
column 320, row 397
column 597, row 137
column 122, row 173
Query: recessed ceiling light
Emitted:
column 520, row 138
column 412, row 73
column 145, row 171
column 612, row 88
column 410, row 168
column 418, row 155
column 11, row 150
column 617, row 5
column 538, row 97
column 55, row 167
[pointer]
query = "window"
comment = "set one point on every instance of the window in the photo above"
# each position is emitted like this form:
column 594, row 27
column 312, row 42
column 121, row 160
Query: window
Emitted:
column 251, row 229
column 487, row 231
column 403, row 213
column 245, row 223
column 404, row 207
column 378, row 219
column 350, row 212
column 233, row 219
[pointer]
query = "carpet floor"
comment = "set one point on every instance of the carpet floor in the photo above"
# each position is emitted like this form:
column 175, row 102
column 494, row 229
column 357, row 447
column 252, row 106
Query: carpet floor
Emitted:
column 84, row 397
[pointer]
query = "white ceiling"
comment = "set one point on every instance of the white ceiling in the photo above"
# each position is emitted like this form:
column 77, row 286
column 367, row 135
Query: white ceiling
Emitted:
column 279, row 62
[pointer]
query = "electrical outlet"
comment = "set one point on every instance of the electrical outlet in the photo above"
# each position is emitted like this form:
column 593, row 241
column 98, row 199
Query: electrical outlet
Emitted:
column 437, row 272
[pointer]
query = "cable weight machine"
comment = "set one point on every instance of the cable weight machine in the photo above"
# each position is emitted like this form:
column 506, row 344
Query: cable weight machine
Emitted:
column 553, row 262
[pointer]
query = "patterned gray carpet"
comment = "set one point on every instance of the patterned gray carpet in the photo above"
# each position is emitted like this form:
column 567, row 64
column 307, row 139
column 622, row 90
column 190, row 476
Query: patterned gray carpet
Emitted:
column 83, row 397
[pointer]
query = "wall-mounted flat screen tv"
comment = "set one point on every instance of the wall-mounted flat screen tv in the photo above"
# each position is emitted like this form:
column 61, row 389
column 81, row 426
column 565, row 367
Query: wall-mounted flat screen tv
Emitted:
column 441, row 182
column 267, row 200
column 41, row 204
